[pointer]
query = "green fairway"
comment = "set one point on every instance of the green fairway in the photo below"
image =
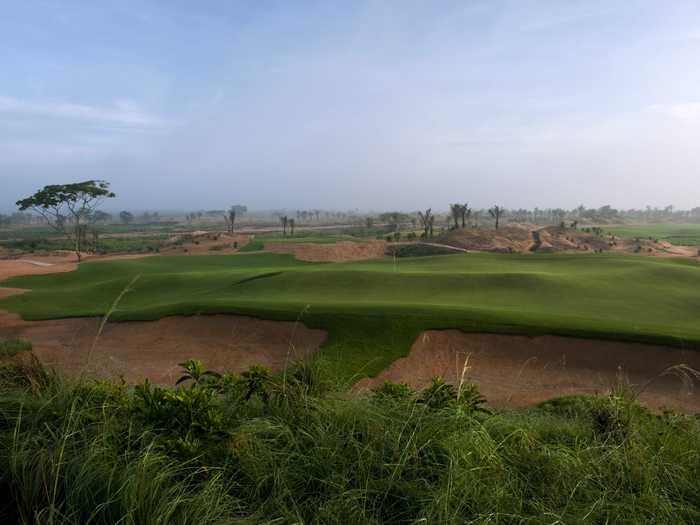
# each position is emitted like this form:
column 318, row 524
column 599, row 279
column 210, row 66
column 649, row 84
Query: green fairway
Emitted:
column 373, row 310
column 680, row 234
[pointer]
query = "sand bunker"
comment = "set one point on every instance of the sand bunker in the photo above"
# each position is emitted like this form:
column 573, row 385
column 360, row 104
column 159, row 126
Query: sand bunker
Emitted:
column 33, row 265
column 153, row 349
column 336, row 252
column 520, row 370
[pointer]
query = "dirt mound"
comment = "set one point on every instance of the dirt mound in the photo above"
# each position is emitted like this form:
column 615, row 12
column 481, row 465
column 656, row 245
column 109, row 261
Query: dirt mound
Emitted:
column 332, row 252
column 519, row 370
column 512, row 238
column 204, row 243
column 557, row 239
column 153, row 349
column 524, row 238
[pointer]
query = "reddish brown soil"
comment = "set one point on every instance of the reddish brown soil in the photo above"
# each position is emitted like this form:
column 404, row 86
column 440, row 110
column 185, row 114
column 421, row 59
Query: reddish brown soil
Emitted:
column 336, row 252
column 153, row 349
column 32, row 265
column 526, row 238
column 204, row 243
column 519, row 370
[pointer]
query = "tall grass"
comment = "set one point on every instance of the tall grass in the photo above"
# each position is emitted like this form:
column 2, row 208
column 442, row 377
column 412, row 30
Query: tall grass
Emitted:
column 257, row 448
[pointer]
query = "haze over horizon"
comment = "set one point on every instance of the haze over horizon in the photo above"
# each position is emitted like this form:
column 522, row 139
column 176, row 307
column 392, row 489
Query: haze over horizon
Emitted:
column 369, row 105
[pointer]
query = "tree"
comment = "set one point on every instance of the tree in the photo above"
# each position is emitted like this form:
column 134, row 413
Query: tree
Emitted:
column 460, row 211
column 101, row 216
column 496, row 212
column 68, row 208
column 230, row 218
column 465, row 212
column 284, row 220
column 126, row 217
column 427, row 219
column 456, row 211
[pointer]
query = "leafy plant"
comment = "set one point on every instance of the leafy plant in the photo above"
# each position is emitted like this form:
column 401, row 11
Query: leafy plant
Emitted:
column 395, row 391
column 194, row 371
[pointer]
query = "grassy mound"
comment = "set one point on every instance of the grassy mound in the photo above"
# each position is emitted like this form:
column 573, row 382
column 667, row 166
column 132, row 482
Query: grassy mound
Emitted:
column 373, row 310
column 260, row 449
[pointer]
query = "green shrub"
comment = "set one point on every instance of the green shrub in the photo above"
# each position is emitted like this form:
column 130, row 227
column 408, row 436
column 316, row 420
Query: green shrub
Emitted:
column 12, row 347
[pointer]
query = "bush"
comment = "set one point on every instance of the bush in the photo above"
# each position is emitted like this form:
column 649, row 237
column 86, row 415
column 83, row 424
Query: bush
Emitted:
column 264, row 448
column 12, row 347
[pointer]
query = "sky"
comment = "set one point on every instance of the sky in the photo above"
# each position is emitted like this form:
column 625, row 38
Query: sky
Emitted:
column 369, row 105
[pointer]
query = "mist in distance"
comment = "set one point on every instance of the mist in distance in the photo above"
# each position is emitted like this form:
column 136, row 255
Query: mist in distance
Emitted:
column 367, row 105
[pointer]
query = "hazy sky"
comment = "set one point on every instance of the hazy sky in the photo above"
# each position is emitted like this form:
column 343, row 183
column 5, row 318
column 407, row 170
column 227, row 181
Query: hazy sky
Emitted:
column 369, row 105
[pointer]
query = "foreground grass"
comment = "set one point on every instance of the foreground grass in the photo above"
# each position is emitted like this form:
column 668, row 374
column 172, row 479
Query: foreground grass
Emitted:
column 12, row 347
column 291, row 449
column 680, row 234
column 373, row 310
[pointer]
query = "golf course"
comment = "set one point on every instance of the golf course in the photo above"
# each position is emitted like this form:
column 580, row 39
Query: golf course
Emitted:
column 373, row 310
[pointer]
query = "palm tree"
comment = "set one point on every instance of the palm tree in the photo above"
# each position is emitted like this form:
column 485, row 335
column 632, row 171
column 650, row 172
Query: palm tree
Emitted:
column 456, row 211
column 496, row 212
column 465, row 212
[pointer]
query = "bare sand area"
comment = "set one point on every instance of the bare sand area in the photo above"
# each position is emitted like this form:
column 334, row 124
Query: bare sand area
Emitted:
column 513, row 370
column 137, row 350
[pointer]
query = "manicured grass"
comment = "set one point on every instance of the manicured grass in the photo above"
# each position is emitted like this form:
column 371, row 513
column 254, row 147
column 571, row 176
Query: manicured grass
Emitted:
column 681, row 234
column 373, row 310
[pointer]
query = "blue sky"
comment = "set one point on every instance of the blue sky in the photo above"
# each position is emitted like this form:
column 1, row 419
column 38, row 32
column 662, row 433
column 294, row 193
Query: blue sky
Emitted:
column 369, row 105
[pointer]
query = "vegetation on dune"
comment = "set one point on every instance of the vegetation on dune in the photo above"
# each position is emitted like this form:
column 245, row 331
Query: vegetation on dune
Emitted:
column 373, row 310
column 257, row 448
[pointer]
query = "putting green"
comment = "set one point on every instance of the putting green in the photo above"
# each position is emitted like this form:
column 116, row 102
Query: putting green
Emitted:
column 373, row 310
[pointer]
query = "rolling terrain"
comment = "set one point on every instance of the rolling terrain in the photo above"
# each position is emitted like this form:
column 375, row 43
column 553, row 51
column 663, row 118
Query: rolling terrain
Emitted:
column 373, row 310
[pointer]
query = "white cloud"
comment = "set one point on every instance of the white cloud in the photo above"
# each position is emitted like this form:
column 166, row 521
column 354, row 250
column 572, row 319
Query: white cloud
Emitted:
column 121, row 113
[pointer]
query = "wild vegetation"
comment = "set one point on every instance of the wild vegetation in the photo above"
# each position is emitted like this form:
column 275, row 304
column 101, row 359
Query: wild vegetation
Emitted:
column 295, row 448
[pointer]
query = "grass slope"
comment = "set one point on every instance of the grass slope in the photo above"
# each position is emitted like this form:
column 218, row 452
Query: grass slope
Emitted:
column 680, row 234
column 373, row 310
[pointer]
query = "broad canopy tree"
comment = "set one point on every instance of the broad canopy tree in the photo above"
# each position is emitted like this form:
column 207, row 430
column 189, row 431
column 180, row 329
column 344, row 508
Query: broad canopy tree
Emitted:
column 69, row 208
column 126, row 217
